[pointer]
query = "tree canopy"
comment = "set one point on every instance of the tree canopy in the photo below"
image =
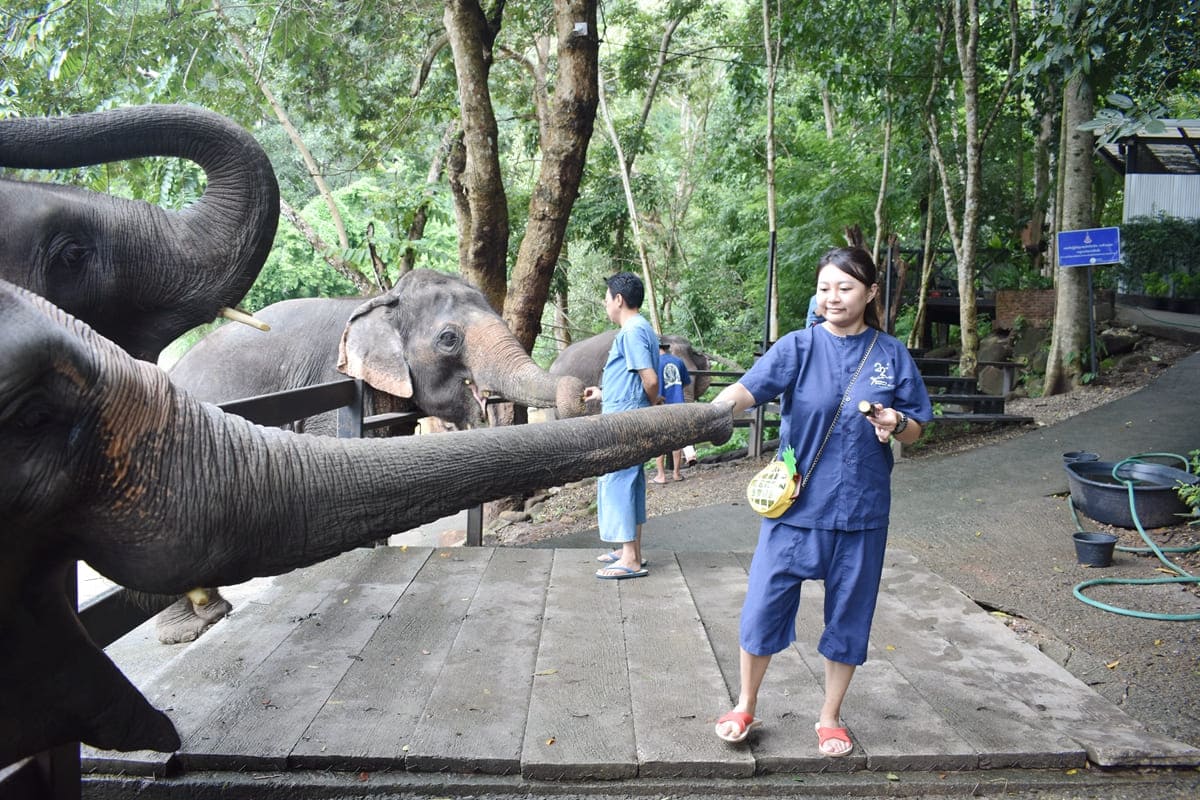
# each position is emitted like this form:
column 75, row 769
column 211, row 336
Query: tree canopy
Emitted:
column 930, row 125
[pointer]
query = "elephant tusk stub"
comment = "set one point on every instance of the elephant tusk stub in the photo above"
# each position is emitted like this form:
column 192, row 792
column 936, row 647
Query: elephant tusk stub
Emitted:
column 246, row 319
column 199, row 597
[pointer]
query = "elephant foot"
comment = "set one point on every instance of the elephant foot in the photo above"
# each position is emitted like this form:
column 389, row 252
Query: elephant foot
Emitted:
column 183, row 621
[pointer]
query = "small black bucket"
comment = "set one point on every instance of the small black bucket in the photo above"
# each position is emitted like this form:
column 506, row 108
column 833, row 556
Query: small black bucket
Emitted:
column 1072, row 456
column 1094, row 549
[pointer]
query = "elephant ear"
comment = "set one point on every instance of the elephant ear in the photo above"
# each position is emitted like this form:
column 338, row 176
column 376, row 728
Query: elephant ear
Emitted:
column 371, row 349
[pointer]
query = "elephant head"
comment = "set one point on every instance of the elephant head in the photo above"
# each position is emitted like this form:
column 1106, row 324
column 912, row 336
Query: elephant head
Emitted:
column 443, row 331
column 432, row 342
column 107, row 461
column 139, row 274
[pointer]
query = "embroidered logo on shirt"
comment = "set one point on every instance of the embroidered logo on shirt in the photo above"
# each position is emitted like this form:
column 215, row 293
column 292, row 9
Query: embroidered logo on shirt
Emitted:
column 882, row 377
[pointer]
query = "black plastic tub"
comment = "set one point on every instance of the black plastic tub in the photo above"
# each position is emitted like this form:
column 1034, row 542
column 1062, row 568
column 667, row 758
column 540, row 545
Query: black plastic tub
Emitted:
column 1105, row 499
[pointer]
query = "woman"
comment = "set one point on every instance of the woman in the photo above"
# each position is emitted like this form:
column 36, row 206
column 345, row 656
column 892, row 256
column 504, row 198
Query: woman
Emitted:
column 836, row 528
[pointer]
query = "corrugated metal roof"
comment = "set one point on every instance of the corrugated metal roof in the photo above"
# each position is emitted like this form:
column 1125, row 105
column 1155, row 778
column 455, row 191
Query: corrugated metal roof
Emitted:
column 1175, row 151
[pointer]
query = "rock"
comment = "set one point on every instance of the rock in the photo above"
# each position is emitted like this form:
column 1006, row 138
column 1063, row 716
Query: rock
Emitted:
column 1117, row 341
column 995, row 348
column 515, row 516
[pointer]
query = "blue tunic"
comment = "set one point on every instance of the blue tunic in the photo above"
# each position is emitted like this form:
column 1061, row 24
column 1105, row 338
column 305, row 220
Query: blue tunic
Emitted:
column 850, row 489
column 634, row 349
column 836, row 530
column 621, row 495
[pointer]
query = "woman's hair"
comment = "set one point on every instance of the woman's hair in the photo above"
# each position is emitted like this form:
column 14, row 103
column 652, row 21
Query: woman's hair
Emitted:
column 857, row 263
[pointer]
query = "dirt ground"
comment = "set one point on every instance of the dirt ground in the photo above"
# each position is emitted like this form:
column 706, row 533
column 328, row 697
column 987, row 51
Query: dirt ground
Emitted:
column 572, row 508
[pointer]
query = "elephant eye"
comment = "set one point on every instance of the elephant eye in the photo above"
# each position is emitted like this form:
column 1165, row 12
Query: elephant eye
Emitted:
column 68, row 254
column 33, row 417
column 449, row 340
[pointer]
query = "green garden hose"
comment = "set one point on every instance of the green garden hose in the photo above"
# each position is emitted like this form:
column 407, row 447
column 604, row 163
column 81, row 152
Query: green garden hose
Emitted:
column 1183, row 576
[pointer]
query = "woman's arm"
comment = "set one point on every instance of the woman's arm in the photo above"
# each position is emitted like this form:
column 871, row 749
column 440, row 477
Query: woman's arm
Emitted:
column 736, row 394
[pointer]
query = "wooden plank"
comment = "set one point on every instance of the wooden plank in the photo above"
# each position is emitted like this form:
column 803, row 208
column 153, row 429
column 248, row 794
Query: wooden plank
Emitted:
column 717, row 582
column 369, row 719
column 192, row 681
column 1073, row 714
column 676, row 686
column 258, row 726
column 971, row 669
column 475, row 718
column 580, row 722
column 889, row 721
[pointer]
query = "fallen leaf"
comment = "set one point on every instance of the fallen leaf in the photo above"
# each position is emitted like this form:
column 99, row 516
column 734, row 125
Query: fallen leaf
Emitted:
column 1158, row 642
column 1113, row 664
column 362, row 776
column 891, row 776
column 890, row 647
column 550, row 740
column 546, row 672
column 1072, row 772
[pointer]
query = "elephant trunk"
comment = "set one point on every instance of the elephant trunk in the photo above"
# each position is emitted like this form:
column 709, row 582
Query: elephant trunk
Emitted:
column 220, row 242
column 272, row 501
column 505, row 367
column 112, row 464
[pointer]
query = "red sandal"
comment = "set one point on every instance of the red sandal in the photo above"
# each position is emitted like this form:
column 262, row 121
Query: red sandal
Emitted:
column 825, row 735
column 745, row 722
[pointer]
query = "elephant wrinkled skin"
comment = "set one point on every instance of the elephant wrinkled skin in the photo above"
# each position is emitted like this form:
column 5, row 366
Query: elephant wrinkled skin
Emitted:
column 432, row 343
column 140, row 275
column 107, row 461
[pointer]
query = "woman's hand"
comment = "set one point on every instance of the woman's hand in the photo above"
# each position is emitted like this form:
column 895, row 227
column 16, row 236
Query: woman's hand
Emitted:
column 887, row 421
column 592, row 393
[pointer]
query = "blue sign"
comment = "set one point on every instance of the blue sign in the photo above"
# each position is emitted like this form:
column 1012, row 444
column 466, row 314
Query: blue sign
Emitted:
column 1089, row 247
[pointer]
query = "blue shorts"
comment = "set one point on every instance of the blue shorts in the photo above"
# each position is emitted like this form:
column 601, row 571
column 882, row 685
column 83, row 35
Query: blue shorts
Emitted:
column 850, row 563
column 621, row 503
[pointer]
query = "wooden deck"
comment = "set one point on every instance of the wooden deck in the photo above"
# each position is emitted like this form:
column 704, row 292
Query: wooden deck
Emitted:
column 509, row 661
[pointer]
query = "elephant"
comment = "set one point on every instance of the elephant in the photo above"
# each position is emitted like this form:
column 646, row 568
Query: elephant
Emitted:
column 432, row 342
column 106, row 460
column 585, row 360
column 139, row 274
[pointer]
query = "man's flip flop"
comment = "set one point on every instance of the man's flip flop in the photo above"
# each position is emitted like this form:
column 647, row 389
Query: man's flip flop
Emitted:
column 745, row 723
column 613, row 557
column 622, row 573
column 833, row 734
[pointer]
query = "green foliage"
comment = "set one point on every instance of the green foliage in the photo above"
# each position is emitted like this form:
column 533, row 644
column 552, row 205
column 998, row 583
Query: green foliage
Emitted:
column 1160, row 256
column 1191, row 494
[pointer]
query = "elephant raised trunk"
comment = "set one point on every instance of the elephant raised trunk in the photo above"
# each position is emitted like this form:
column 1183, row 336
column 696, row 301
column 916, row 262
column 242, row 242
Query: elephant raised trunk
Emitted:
column 106, row 461
column 139, row 274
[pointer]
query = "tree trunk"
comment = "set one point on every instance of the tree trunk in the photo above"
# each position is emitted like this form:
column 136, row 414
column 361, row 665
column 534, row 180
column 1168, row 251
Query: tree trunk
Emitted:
column 570, row 117
column 771, row 53
column 1035, row 243
column 1069, row 339
column 966, row 40
column 481, row 206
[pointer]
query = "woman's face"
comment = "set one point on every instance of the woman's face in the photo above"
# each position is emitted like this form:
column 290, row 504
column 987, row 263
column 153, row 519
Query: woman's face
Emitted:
column 842, row 298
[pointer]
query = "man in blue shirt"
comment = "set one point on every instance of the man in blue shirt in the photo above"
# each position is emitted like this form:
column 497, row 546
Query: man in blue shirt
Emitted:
column 672, row 377
column 629, row 381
